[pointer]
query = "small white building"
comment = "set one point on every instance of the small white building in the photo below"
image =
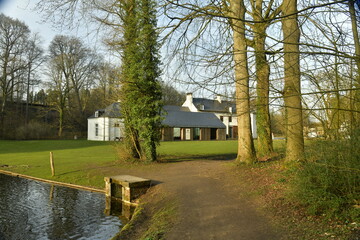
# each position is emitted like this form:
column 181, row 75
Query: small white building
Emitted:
column 106, row 124
column 224, row 110
column 179, row 123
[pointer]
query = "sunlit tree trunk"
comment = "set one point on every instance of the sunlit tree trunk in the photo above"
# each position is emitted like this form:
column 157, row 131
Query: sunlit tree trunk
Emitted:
column 354, row 25
column 292, row 88
column 264, row 140
column 246, row 150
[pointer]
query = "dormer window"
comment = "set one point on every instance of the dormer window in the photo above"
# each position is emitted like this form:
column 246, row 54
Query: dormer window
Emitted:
column 97, row 114
column 201, row 107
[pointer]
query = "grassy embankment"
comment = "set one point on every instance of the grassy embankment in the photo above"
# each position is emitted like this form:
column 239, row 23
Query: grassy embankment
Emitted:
column 77, row 161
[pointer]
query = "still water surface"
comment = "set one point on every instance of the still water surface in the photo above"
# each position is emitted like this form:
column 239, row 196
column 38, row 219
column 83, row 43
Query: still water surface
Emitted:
column 36, row 210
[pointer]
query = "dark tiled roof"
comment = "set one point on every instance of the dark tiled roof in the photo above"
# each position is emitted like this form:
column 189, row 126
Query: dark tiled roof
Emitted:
column 111, row 111
column 176, row 108
column 213, row 105
column 175, row 118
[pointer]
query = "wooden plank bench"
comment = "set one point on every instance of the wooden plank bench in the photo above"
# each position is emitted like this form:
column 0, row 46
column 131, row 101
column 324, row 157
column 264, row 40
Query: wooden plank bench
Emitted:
column 125, row 187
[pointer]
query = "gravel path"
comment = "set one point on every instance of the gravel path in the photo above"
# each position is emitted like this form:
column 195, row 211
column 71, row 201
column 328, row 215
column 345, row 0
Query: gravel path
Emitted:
column 212, row 203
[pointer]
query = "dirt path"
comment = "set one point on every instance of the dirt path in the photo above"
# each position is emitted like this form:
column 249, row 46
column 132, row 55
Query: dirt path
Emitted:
column 212, row 203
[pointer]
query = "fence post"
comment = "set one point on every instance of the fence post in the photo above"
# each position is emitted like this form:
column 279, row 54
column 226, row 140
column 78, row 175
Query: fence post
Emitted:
column 52, row 164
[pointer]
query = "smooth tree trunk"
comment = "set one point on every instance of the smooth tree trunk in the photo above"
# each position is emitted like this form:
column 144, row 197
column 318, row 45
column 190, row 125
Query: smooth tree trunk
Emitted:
column 292, row 85
column 246, row 150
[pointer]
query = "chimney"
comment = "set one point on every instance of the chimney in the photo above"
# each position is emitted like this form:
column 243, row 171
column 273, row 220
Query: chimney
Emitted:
column 218, row 98
column 189, row 98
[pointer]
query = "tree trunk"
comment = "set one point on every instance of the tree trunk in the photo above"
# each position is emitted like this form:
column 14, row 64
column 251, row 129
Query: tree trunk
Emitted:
column 354, row 26
column 246, row 150
column 61, row 122
column 292, row 88
column 263, row 124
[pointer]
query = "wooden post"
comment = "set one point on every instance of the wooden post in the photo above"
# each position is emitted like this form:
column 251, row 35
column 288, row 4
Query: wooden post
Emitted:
column 52, row 164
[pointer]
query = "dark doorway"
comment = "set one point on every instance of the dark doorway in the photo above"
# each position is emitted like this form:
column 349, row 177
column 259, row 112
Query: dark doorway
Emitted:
column 213, row 134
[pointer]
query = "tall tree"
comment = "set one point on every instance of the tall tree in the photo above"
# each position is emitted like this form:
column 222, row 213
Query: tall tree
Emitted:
column 58, row 93
column 135, row 22
column 263, row 14
column 292, row 87
column 34, row 58
column 141, row 90
column 354, row 25
column 77, row 64
column 246, row 149
column 130, row 60
column 13, row 44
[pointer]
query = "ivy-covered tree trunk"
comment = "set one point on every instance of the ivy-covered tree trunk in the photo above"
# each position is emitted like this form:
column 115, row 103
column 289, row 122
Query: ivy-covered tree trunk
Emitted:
column 264, row 140
column 129, row 77
column 141, row 90
column 151, row 97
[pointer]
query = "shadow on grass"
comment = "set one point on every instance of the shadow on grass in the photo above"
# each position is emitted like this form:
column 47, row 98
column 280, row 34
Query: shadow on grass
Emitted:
column 213, row 157
column 13, row 146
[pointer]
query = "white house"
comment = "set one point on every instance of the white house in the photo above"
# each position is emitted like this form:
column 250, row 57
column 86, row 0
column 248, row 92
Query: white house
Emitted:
column 224, row 110
column 179, row 123
column 106, row 124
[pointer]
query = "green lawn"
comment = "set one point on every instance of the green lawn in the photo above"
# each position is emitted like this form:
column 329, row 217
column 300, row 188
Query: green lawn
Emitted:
column 73, row 158
column 78, row 161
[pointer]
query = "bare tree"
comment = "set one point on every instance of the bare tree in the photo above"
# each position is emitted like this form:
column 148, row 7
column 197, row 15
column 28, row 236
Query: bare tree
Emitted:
column 292, row 87
column 263, row 14
column 77, row 64
column 246, row 150
column 58, row 93
column 355, row 33
column 34, row 58
column 13, row 42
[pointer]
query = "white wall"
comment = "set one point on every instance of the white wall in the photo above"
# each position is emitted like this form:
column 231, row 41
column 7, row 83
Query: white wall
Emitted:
column 235, row 123
column 253, row 125
column 106, row 129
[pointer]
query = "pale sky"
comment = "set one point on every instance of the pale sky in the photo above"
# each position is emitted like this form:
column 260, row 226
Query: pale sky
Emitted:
column 22, row 10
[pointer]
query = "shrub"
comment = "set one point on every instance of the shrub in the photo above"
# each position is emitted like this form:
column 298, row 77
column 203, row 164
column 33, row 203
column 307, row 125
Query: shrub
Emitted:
column 328, row 183
column 35, row 131
column 122, row 152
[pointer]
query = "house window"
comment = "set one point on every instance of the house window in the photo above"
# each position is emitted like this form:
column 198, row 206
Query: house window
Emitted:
column 117, row 125
column 196, row 134
column 221, row 118
column 230, row 119
column 96, row 129
column 177, row 135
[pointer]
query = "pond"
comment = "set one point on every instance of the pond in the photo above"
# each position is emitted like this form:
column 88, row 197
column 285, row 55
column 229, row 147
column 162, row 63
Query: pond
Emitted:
column 34, row 210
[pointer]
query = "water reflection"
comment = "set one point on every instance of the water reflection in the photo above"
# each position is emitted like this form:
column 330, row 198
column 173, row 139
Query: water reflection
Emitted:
column 35, row 210
column 116, row 207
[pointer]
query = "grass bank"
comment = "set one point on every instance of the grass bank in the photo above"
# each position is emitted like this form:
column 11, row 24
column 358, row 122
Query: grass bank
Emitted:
column 81, row 162
column 74, row 159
